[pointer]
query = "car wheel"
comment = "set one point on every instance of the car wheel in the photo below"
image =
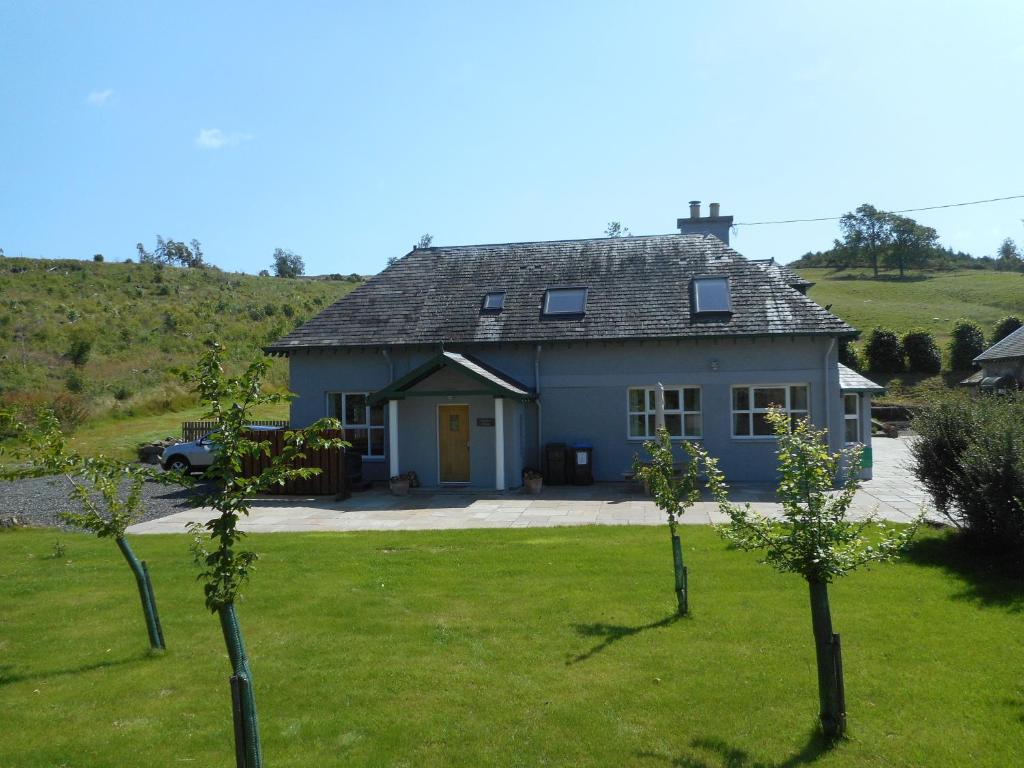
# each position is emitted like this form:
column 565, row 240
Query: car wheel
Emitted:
column 179, row 464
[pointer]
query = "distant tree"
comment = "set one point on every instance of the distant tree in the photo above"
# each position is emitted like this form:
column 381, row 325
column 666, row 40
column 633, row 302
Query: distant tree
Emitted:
column 866, row 232
column 264, row 273
column 967, row 343
column 97, row 257
column 79, row 351
column 1005, row 327
column 1008, row 257
column 615, row 229
column 287, row 264
column 910, row 244
column 172, row 252
column 425, row 240
column 883, row 351
column 922, row 352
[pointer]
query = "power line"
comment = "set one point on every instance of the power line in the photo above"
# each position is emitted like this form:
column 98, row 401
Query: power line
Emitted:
column 904, row 210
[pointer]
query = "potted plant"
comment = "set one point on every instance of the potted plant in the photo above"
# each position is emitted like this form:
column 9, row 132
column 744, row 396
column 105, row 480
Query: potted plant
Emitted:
column 533, row 480
column 400, row 485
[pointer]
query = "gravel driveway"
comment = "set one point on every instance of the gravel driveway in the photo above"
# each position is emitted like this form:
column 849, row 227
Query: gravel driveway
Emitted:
column 39, row 501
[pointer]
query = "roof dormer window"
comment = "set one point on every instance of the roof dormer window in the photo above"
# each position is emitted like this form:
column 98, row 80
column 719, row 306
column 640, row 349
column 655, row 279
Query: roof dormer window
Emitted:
column 711, row 294
column 565, row 301
column 494, row 302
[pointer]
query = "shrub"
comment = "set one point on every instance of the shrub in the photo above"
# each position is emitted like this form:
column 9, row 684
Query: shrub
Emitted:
column 97, row 257
column 970, row 460
column 74, row 382
column 1005, row 327
column 922, row 352
column 967, row 343
column 79, row 351
column 849, row 354
column 70, row 410
column 884, row 352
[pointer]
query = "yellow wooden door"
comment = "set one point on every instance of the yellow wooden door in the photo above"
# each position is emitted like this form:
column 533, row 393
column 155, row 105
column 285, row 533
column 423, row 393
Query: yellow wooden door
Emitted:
column 453, row 443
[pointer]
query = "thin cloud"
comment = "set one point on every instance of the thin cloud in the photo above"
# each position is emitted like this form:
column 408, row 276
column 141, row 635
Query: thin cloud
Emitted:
column 215, row 138
column 99, row 98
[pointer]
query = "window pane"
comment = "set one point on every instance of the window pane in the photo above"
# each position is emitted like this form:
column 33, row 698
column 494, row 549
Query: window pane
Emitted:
column 765, row 397
column 711, row 294
column 740, row 399
column 852, row 433
column 651, row 400
column 693, row 424
column 565, row 301
column 636, row 400
column 741, row 423
column 691, row 399
column 674, row 424
column 651, row 429
column 334, row 405
column 355, row 409
column 494, row 300
column 636, row 426
column 359, row 440
column 850, row 404
column 671, row 399
column 376, row 442
column 798, row 398
column 377, row 415
column 761, row 425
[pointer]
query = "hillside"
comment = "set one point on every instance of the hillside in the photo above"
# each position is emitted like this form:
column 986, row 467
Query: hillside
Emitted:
column 929, row 300
column 130, row 325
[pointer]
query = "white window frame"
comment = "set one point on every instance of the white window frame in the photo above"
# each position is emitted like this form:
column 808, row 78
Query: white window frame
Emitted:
column 752, row 410
column 854, row 417
column 650, row 411
column 382, row 428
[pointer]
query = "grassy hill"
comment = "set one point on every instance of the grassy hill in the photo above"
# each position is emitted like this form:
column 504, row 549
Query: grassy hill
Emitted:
column 929, row 300
column 137, row 322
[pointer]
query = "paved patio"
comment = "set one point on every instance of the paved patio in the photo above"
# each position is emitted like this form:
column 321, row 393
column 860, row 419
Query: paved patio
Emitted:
column 893, row 493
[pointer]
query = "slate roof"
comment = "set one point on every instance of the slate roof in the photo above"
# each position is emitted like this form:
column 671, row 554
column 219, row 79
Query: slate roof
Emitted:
column 851, row 381
column 790, row 277
column 1011, row 346
column 499, row 383
column 638, row 288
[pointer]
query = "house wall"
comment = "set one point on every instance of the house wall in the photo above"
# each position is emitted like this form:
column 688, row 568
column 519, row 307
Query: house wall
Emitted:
column 583, row 398
column 1013, row 366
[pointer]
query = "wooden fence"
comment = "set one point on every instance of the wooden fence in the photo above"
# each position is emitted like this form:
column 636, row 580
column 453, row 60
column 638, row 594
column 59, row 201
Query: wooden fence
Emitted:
column 193, row 430
column 331, row 461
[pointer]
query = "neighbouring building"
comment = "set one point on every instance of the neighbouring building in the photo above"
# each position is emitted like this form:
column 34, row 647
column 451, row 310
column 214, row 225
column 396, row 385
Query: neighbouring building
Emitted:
column 1002, row 365
column 461, row 363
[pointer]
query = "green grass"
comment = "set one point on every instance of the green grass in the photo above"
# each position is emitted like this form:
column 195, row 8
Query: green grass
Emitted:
column 503, row 648
column 930, row 300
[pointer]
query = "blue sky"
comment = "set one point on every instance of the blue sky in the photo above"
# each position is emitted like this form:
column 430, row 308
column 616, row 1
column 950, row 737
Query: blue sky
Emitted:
column 345, row 131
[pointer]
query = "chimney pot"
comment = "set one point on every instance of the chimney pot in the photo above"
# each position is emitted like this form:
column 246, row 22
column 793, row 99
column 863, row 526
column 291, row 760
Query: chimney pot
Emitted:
column 695, row 209
column 714, row 210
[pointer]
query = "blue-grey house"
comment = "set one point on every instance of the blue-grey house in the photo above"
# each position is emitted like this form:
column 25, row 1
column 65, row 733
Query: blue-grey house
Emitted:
column 461, row 363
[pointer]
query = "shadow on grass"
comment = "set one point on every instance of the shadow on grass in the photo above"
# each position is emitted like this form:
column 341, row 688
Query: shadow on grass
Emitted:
column 612, row 633
column 881, row 278
column 996, row 583
column 716, row 753
column 8, row 676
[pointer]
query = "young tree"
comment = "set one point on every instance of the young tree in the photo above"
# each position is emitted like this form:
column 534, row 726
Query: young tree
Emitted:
column 1008, row 256
column 673, row 493
column 108, row 492
column 425, row 240
column 814, row 539
column 615, row 229
column 287, row 264
column 226, row 565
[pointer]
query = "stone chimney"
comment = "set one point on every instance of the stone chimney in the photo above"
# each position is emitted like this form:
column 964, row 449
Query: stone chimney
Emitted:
column 713, row 224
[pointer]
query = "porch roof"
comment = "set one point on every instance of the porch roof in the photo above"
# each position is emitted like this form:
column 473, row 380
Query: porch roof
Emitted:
column 492, row 381
column 851, row 381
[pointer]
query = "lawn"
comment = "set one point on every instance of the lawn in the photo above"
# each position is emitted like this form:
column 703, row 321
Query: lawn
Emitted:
column 503, row 648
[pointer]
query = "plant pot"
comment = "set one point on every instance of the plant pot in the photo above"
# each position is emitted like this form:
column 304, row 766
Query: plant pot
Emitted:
column 400, row 487
column 533, row 484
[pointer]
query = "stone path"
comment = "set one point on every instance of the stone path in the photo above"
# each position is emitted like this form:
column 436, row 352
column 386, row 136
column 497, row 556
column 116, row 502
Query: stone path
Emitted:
column 893, row 493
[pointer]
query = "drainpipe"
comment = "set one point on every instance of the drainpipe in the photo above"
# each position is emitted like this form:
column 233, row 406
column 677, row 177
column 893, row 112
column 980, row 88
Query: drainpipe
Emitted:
column 391, row 364
column 828, row 395
column 540, row 421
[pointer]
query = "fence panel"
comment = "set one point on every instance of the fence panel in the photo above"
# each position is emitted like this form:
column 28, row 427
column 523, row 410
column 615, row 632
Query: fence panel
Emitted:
column 332, row 478
column 193, row 430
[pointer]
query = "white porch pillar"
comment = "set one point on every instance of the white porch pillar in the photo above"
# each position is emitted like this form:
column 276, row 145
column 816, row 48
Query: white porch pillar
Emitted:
column 393, row 436
column 499, row 443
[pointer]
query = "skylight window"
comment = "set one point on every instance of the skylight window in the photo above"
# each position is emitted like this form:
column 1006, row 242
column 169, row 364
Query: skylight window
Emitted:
column 711, row 294
column 565, row 301
column 494, row 301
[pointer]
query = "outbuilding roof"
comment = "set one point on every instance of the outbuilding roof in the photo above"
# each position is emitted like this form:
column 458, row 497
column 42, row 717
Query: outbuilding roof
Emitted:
column 851, row 381
column 637, row 288
column 1008, row 347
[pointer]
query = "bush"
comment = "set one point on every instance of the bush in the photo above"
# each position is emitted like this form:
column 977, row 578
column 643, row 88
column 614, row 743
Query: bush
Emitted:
column 922, row 352
column 849, row 355
column 1005, row 327
column 884, row 352
column 79, row 351
column 70, row 410
column 970, row 459
column 967, row 343
column 97, row 257
column 74, row 382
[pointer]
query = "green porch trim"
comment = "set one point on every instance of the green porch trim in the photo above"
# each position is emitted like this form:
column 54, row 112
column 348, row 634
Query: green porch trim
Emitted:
column 494, row 383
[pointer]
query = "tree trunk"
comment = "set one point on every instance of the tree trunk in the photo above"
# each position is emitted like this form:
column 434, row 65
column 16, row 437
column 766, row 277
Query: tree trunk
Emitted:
column 677, row 560
column 830, row 683
column 156, row 633
column 246, row 724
